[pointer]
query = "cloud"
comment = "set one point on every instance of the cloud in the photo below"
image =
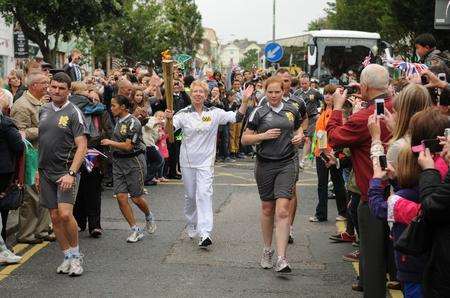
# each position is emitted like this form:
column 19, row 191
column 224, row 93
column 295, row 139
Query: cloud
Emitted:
column 252, row 19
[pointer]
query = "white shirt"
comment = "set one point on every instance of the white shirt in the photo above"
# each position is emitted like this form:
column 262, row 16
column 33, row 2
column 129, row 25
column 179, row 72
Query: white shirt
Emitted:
column 198, row 147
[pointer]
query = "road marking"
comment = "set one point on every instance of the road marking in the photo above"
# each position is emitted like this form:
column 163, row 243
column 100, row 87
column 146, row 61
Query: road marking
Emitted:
column 237, row 184
column 393, row 293
column 18, row 248
column 33, row 250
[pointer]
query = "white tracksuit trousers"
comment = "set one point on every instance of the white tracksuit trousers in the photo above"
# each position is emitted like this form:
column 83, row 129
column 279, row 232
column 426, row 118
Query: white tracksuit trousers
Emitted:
column 198, row 198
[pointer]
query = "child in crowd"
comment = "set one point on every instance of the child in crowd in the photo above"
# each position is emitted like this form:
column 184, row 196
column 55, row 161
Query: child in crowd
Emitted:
column 160, row 121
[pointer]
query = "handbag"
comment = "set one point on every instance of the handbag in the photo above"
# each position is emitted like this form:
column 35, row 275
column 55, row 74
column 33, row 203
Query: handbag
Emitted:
column 12, row 197
column 31, row 163
column 416, row 238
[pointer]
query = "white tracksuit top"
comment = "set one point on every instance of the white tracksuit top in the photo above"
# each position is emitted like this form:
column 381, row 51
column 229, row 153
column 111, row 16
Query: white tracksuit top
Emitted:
column 198, row 147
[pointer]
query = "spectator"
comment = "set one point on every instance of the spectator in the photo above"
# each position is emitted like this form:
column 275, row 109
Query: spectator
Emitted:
column 153, row 157
column 34, row 220
column 326, row 164
column 10, row 146
column 162, row 145
column 215, row 100
column 412, row 99
column 87, row 206
column 72, row 68
column 140, row 106
column 15, row 81
column 355, row 135
column 426, row 49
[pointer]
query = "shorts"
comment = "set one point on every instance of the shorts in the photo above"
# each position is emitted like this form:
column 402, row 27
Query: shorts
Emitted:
column 311, row 126
column 50, row 195
column 129, row 174
column 276, row 179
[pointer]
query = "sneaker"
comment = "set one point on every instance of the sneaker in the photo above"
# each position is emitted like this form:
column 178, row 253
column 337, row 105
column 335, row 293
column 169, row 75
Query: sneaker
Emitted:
column 340, row 218
column 394, row 285
column 352, row 256
column 191, row 231
column 150, row 226
column 343, row 237
column 64, row 268
column 282, row 265
column 266, row 259
column 135, row 236
column 315, row 219
column 205, row 242
column 7, row 257
column 75, row 266
column 96, row 233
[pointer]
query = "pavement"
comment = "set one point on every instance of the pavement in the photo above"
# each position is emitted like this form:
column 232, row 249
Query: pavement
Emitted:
column 169, row 264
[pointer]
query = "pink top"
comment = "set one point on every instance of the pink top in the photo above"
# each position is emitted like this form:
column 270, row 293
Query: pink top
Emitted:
column 162, row 143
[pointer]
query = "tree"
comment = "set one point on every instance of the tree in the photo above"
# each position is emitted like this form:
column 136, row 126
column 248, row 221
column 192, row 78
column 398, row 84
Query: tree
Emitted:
column 45, row 22
column 250, row 59
column 146, row 28
column 319, row 24
column 184, row 25
column 136, row 36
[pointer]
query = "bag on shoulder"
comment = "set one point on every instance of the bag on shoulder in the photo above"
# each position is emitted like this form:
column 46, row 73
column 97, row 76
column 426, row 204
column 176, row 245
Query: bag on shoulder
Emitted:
column 416, row 238
column 12, row 197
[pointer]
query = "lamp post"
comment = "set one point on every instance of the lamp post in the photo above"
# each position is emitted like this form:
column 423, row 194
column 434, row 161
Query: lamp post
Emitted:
column 273, row 21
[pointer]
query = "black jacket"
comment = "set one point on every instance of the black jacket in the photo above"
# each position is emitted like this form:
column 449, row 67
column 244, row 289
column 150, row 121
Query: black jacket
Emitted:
column 436, row 208
column 179, row 102
column 70, row 70
column 10, row 144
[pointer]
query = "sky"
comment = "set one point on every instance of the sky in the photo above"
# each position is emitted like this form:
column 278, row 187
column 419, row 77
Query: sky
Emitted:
column 252, row 19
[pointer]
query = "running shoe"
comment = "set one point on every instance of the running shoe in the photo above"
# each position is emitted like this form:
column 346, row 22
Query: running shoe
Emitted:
column 282, row 265
column 266, row 259
column 135, row 236
column 340, row 218
column 7, row 257
column 205, row 242
column 96, row 233
column 352, row 256
column 343, row 237
column 64, row 268
column 150, row 226
column 75, row 266
column 315, row 219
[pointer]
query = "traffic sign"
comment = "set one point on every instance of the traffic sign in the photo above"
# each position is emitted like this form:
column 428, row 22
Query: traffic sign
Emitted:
column 274, row 52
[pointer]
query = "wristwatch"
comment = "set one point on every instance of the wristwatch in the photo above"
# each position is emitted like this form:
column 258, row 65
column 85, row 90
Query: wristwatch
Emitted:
column 72, row 173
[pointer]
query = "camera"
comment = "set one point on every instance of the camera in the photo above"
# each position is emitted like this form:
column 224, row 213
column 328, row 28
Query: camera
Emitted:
column 351, row 89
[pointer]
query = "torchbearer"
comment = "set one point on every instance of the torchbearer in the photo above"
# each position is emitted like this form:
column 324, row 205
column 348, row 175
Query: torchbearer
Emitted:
column 198, row 151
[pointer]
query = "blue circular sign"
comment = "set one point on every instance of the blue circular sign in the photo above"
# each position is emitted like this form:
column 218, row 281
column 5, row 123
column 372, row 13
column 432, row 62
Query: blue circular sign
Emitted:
column 274, row 52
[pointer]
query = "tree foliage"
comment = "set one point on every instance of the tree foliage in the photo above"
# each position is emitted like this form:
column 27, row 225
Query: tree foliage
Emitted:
column 250, row 59
column 46, row 22
column 146, row 28
column 398, row 22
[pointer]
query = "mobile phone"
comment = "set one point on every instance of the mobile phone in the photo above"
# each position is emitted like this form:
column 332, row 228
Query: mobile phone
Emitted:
column 433, row 145
column 324, row 157
column 447, row 132
column 442, row 76
column 351, row 89
column 379, row 102
column 424, row 80
column 383, row 162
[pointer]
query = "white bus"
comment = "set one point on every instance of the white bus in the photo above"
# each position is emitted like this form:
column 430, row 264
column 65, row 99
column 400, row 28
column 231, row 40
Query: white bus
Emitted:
column 327, row 54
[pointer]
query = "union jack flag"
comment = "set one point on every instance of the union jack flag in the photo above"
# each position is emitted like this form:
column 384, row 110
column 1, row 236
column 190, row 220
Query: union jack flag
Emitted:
column 367, row 60
column 409, row 68
column 91, row 157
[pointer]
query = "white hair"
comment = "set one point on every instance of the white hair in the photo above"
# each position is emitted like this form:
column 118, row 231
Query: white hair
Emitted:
column 33, row 77
column 375, row 76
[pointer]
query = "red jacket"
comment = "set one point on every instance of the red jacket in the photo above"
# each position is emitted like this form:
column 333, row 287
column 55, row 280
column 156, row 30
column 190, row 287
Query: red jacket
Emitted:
column 355, row 135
